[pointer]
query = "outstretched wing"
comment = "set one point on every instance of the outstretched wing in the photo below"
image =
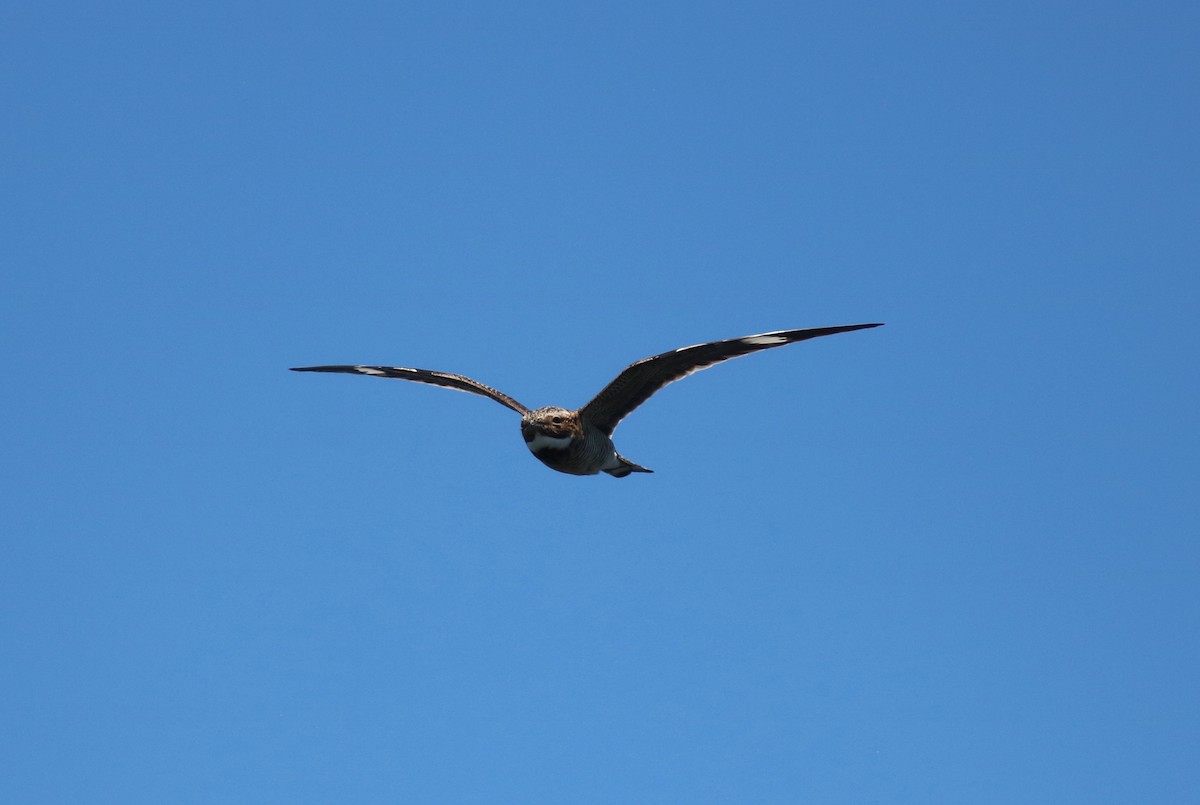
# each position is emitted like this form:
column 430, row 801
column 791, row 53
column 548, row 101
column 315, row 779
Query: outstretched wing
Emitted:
column 444, row 379
column 634, row 386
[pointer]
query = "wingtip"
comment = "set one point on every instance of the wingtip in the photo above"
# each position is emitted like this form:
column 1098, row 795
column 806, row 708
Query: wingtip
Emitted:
column 849, row 328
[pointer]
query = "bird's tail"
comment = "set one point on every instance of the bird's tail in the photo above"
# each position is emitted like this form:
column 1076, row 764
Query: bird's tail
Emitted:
column 625, row 467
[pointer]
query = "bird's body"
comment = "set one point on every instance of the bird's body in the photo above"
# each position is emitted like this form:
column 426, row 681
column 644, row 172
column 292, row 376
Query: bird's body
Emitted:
column 563, row 440
column 579, row 442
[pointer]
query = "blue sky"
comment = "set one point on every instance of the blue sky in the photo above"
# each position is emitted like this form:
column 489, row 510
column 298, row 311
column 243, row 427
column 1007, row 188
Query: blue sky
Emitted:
column 953, row 559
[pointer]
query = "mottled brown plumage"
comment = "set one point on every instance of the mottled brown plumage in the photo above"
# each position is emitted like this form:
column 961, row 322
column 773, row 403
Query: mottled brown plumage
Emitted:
column 579, row 442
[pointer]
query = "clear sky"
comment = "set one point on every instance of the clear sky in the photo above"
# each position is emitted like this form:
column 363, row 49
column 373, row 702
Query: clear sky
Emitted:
column 949, row 560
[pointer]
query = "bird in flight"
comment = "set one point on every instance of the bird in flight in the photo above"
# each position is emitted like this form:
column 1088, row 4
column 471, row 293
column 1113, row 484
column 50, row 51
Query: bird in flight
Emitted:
column 580, row 442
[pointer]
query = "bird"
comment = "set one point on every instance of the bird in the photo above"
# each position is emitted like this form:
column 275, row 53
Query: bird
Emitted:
column 579, row 442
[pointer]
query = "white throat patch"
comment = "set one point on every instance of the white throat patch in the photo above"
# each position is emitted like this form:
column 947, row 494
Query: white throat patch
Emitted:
column 541, row 441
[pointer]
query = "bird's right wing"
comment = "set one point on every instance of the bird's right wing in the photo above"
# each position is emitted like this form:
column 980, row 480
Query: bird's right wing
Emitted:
column 443, row 379
column 638, row 381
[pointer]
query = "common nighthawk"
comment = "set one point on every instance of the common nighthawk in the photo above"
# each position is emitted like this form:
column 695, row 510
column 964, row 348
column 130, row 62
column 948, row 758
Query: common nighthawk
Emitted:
column 579, row 442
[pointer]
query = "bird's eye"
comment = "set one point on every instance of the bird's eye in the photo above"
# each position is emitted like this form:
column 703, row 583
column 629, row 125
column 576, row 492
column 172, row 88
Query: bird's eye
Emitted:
column 557, row 420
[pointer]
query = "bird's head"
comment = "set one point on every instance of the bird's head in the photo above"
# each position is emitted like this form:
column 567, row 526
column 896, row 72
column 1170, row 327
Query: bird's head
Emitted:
column 550, row 428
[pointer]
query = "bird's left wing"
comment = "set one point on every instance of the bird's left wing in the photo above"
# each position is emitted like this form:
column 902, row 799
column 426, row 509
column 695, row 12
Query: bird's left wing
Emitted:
column 443, row 379
column 634, row 386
